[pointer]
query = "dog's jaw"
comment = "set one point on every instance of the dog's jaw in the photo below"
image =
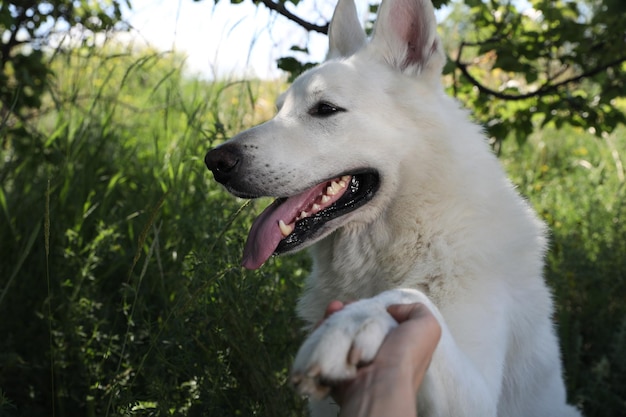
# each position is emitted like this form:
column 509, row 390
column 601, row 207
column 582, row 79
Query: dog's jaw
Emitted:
column 291, row 224
column 278, row 220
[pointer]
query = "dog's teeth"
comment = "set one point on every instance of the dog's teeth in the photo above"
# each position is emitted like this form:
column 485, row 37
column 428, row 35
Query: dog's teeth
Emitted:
column 315, row 208
column 325, row 199
column 303, row 215
column 285, row 229
column 334, row 188
column 345, row 178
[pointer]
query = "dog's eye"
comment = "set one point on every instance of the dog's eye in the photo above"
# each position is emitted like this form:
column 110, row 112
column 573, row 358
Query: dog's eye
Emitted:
column 324, row 109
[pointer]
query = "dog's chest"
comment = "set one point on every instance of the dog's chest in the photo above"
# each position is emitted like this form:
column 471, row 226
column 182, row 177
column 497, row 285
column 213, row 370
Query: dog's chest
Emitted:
column 364, row 268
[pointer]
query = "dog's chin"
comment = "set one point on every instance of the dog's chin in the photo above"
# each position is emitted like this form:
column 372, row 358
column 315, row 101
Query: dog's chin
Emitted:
column 293, row 223
column 241, row 194
column 309, row 230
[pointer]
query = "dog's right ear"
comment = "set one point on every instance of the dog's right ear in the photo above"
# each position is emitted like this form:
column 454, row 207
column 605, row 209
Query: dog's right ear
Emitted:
column 405, row 35
column 345, row 34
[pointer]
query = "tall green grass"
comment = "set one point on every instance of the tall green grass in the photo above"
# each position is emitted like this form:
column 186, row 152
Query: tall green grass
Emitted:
column 120, row 290
column 577, row 184
column 120, row 287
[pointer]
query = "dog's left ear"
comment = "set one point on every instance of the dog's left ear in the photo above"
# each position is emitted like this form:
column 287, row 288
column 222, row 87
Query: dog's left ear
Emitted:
column 405, row 35
column 345, row 34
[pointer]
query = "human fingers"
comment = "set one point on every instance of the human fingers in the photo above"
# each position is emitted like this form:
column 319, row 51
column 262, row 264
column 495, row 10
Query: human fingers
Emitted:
column 407, row 348
column 414, row 340
column 404, row 312
column 332, row 307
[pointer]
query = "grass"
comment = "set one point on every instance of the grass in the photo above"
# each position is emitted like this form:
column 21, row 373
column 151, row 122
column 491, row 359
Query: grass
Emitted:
column 576, row 183
column 120, row 254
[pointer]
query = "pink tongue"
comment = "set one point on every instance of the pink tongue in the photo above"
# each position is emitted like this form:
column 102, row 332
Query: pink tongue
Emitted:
column 265, row 234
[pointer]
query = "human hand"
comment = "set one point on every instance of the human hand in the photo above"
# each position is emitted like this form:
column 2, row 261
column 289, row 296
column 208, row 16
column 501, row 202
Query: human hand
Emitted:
column 389, row 384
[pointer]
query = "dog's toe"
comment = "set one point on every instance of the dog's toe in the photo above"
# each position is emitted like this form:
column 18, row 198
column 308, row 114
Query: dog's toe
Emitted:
column 311, row 383
column 333, row 352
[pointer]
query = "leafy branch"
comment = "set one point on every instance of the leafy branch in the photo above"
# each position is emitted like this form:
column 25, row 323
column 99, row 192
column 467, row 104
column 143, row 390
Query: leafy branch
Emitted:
column 282, row 10
column 543, row 89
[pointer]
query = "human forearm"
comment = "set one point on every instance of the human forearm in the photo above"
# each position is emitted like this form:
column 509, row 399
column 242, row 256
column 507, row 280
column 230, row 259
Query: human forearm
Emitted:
column 389, row 392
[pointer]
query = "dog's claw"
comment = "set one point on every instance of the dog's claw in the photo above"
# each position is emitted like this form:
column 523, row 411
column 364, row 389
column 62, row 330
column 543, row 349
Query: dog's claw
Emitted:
column 310, row 387
column 296, row 379
column 314, row 371
column 311, row 383
column 354, row 356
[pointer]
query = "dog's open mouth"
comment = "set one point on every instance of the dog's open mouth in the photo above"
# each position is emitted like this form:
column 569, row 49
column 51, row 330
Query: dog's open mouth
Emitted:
column 288, row 223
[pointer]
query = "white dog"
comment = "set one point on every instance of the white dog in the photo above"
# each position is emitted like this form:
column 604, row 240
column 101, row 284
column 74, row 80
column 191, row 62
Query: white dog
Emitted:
column 402, row 201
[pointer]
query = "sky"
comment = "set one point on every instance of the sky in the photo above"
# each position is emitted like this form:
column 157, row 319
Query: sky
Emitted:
column 226, row 40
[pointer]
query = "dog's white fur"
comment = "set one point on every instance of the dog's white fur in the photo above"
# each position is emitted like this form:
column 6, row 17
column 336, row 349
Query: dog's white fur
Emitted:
column 446, row 228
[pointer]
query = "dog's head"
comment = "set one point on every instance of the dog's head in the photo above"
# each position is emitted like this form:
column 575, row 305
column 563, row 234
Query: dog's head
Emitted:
column 321, row 155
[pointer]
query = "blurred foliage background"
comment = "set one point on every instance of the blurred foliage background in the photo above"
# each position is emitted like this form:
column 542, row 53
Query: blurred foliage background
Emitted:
column 120, row 286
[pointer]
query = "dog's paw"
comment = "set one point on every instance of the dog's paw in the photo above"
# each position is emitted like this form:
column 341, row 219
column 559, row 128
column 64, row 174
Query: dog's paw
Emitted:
column 344, row 340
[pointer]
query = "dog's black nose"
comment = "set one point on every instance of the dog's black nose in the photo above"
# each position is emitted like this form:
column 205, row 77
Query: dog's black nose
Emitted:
column 224, row 162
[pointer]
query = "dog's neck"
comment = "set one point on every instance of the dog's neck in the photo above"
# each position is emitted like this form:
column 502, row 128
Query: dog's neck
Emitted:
column 400, row 248
column 362, row 260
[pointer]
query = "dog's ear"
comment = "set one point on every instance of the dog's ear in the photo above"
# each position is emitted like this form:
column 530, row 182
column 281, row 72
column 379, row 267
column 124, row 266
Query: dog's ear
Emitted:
column 405, row 34
column 345, row 34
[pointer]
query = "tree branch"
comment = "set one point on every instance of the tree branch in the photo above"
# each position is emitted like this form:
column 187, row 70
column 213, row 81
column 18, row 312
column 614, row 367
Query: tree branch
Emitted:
column 280, row 8
column 542, row 90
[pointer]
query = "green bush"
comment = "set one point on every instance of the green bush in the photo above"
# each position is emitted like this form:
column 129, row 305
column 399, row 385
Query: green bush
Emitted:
column 120, row 273
column 120, row 286
column 576, row 182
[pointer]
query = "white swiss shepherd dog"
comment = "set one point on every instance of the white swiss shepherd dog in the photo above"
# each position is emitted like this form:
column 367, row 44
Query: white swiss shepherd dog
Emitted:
column 401, row 200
